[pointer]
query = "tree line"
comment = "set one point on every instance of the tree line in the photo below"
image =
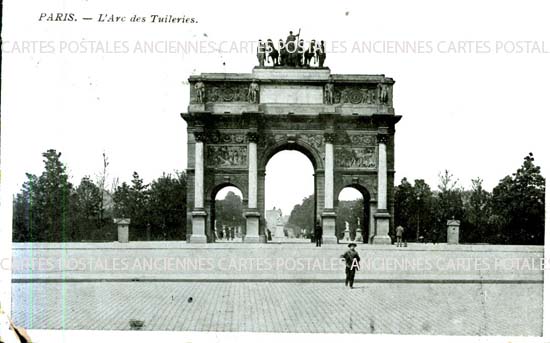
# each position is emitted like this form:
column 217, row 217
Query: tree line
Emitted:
column 49, row 208
column 513, row 213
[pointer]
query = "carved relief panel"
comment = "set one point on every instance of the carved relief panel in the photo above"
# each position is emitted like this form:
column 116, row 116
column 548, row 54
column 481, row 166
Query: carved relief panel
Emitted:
column 219, row 92
column 359, row 152
column 369, row 95
column 226, row 150
column 356, row 158
column 227, row 156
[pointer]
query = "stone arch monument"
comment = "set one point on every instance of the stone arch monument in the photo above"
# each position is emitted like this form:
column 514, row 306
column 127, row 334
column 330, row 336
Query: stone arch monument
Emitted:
column 344, row 124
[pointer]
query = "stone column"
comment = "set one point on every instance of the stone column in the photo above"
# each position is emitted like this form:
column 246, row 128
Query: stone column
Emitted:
column 382, row 215
column 198, row 234
column 252, row 215
column 372, row 222
column 329, row 215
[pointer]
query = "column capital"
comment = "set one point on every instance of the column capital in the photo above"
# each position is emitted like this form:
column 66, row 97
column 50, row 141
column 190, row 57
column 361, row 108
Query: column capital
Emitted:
column 382, row 138
column 252, row 136
column 200, row 136
column 330, row 137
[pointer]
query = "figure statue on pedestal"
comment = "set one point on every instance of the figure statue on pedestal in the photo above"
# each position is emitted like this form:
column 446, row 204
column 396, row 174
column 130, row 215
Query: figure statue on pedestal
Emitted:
column 321, row 54
column 329, row 93
column 253, row 92
column 199, row 91
column 382, row 93
column 261, row 53
column 291, row 46
column 291, row 37
column 359, row 232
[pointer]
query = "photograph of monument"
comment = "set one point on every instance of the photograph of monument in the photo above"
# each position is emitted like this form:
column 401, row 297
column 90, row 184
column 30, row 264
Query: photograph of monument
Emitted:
column 207, row 172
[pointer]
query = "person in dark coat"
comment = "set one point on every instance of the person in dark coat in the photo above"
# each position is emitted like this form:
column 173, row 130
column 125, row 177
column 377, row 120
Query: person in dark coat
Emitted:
column 318, row 234
column 352, row 263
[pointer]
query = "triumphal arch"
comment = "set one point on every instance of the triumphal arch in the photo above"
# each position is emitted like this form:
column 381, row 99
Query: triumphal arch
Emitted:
column 344, row 124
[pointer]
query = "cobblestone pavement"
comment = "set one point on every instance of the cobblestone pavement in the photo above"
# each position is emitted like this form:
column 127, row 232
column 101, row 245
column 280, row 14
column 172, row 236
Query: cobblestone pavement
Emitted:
column 392, row 308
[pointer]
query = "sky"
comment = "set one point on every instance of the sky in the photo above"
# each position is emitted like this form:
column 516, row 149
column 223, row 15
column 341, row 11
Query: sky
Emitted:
column 471, row 82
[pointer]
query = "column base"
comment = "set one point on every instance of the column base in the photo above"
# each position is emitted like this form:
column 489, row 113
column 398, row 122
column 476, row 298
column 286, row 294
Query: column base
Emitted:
column 253, row 227
column 329, row 227
column 381, row 240
column 198, row 227
column 382, row 220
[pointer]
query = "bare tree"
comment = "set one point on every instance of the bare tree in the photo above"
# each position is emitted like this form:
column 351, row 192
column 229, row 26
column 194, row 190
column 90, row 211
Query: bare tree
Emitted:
column 101, row 183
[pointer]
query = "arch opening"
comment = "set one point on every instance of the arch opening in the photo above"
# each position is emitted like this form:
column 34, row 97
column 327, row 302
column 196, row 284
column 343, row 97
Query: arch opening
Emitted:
column 353, row 222
column 227, row 223
column 290, row 196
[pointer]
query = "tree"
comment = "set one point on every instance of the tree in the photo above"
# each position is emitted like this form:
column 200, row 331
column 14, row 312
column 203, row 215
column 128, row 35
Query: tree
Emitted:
column 475, row 227
column 518, row 205
column 105, row 210
column 301, row 215
column 86, row 211
column 51, row 192
column 405, row 208
column 167, row 208
column 22, row 214
column 449, row 205
column 130, row 201
column 415, row 209
column 229, row 211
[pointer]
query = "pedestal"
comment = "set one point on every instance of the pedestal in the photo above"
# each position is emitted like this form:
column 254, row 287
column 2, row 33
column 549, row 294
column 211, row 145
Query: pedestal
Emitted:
column 453, row 227
column 359, row 236
column 382, row 220
column 199, row 227
column 346, row 235
column 329, row 227
column 253, row 228
column 123, row 229
column 279, row 231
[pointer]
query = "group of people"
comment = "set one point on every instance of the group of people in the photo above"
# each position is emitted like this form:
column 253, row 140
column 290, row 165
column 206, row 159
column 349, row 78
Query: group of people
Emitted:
column 291, row 53
column 226, row 232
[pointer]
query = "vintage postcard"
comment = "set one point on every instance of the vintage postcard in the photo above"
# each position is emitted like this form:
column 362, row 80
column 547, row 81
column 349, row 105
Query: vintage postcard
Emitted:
column 232, row 170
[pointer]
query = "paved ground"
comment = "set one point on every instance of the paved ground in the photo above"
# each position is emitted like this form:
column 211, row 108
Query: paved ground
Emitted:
column 263, row 262
column 443, row 309
column 396, row 294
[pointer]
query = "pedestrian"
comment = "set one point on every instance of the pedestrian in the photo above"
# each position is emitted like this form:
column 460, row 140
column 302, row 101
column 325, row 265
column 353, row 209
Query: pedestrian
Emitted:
column 226, row 229
column 318, row 234
column 352, row 263
column 399, row 235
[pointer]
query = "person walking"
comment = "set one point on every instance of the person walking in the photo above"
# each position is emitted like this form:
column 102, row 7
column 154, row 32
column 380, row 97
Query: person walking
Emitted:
column 352, row 263
column 399, row 235
column 318, row 234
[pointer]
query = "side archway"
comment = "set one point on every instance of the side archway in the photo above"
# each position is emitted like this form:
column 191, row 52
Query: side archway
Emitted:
column 355, row 215
column 226, row 223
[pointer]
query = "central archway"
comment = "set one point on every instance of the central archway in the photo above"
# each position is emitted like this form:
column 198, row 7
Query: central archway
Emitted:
column 311, row 161
column 290, row 205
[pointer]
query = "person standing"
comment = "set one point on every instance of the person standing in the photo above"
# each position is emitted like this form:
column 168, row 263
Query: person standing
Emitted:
column 399, row 235
column 351, row 257
column 318, row 234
